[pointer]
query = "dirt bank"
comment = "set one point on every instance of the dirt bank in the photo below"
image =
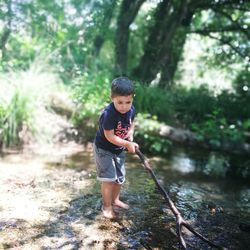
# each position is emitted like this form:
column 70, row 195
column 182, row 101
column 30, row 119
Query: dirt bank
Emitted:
column 44, row 205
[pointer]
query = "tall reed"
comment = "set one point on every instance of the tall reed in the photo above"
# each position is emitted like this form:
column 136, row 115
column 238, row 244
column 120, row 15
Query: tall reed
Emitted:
column 24, row 95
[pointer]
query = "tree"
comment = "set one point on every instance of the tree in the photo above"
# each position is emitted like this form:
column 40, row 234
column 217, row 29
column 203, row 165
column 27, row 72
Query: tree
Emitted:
column 172, row 21
column 128, row 12
column 73, row 33
column 70, row 33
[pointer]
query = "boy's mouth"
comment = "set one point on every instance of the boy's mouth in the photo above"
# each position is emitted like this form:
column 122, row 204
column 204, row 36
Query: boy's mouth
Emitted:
column 123, row 111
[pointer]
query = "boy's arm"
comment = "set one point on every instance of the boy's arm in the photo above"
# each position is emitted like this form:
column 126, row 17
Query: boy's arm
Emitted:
column 131, row 132
column 111, row 137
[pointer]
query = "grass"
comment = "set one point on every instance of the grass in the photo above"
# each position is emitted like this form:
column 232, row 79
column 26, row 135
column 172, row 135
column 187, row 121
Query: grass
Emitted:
column 24, row 96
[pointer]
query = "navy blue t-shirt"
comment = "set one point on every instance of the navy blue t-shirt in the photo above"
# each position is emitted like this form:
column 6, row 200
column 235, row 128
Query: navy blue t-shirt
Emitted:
column 112, row 119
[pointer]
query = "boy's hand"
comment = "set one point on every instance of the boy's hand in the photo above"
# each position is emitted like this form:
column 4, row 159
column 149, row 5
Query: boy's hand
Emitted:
column 131, row 146
column 130, row 138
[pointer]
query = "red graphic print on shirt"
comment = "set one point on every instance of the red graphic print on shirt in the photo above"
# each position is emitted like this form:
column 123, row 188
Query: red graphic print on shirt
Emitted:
column 122, row 132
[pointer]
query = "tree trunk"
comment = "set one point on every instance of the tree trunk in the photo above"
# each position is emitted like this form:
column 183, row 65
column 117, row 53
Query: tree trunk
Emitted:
column 147, row 69
column 105, row 23
column 173, row 55
column 7, row 29
column 189, row 138
column 162, row 53
column 171, row 59
column 128, row 12
column 3, row 42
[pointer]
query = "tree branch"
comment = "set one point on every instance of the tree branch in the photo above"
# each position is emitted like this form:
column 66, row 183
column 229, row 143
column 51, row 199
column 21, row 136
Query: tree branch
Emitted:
column 237, row 25
column 179, row 219
column 207, row 30
column 224, row 41
column 208, row 4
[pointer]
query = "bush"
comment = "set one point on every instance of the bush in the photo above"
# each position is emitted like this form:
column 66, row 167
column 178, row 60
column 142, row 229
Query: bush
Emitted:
column 242, row 84
column 147, row 137
column 213, row 118
column 92, row 95
column 15, row 113
column 153, row 100
column 24, row 96
column 193, row 105
column 216, row 129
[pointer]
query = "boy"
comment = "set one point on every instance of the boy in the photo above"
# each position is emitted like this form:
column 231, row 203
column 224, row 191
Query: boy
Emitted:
column 115, row 134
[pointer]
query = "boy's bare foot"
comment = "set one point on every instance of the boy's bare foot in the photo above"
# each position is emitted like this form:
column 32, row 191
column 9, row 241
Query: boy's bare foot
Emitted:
column 121, row 204
column 109, row 213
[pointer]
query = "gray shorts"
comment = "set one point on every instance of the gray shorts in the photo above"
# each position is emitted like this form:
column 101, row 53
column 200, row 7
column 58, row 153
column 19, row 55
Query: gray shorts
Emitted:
column 110, row 167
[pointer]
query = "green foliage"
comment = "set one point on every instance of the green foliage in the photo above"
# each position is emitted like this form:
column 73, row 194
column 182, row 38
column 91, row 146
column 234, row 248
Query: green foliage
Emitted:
column 193, row 105
column 216, row 119
column 230, row 47
column 21, row 53
column 15, row 113
column 24, row 97
column 2, row 116
column 75, row 31
column 242, row 84
column 246, row 124
column 92, row 94
column 236, row 105
column 244, row 169
column 155, row 101
column 148, row 137
column 216, row 130
column 57, row 29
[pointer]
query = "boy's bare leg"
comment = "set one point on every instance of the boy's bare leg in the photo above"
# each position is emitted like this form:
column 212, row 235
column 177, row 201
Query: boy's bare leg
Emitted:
column 107, row 189
column 116, row 197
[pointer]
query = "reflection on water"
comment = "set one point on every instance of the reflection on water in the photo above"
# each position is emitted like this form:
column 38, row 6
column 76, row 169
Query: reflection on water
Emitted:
column 216, row 166
column 193, row 178
column 182, row 163
column 212, row 164
column 196, row 179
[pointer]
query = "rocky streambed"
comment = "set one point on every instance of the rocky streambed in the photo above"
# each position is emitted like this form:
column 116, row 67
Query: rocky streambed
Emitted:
column 49, row 199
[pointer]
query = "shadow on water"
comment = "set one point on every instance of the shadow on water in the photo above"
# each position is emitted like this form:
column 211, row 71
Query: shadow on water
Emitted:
column 211, row 199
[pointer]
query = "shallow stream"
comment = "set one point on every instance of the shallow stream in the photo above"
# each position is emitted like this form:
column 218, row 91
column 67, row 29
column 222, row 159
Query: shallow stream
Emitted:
column 204, row 188
column 52, row 201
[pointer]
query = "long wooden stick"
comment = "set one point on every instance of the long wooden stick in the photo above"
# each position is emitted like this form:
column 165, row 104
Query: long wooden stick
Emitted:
column 179, row 219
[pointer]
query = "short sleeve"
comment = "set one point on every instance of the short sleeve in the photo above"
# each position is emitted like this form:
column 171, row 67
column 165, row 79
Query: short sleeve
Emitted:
column 108, row 120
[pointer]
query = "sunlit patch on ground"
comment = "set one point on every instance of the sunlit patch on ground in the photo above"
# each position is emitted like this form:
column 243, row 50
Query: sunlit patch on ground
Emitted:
column 37, row 194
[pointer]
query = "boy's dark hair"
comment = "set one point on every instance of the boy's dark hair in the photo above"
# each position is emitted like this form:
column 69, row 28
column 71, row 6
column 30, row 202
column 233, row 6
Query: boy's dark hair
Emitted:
column 122, row 86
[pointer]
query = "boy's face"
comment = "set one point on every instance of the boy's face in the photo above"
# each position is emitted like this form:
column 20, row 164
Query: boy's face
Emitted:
column 122, row 103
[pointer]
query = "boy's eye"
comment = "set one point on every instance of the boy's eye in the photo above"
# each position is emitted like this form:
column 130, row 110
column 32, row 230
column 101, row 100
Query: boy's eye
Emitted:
column 125, row 102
